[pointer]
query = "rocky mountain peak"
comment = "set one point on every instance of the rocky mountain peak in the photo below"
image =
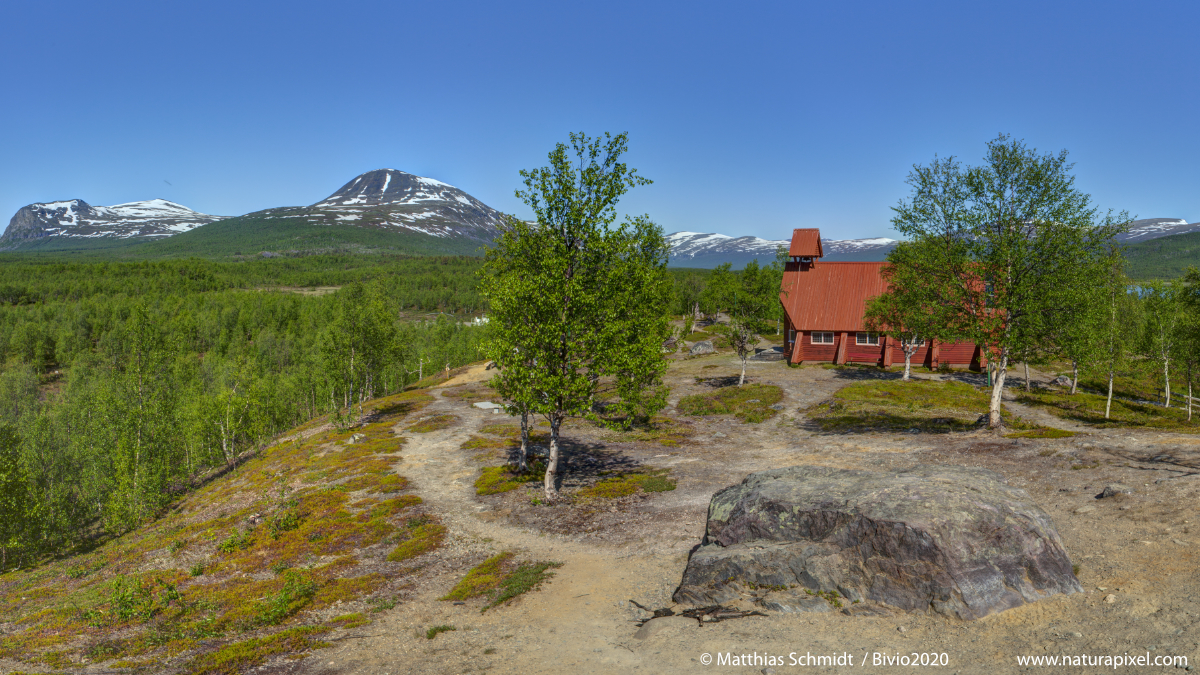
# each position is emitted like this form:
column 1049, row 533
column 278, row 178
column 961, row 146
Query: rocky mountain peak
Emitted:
column 389, row 186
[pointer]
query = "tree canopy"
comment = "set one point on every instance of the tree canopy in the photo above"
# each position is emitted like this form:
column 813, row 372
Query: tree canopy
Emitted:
column 1004, row 246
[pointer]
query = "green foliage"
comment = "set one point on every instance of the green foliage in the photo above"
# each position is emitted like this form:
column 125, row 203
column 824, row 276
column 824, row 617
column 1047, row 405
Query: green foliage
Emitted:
column 1004, row 247
column 129, row 382
column 1163, row 258
column 574, row 296
column 751, row 403
column 16, row 503
column 297, row 592
column 237, row 541
column 750, row 297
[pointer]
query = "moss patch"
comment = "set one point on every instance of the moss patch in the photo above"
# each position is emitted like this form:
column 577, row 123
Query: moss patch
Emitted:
column 501, row 580
column 750, row 403
column 894, row 405
column 1042, row 432
column 650, row 480
column 435, row 423
column 1089, row 409
column 483, row 579
column 496, row 479
column 239, row 657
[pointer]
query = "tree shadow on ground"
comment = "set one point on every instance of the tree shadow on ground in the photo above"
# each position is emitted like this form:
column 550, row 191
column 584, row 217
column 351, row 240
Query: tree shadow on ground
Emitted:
column 580, row 463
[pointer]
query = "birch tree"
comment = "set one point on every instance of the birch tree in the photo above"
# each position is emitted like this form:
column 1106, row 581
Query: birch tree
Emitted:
column 578, row 296
column 1164, row 312
column 999, row 240
column 750, row 297
column 358, row 344
column 910, row 311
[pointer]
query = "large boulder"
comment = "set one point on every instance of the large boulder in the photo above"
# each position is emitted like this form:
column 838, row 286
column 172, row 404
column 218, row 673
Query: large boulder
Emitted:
column 702, row 347
column 954, row 540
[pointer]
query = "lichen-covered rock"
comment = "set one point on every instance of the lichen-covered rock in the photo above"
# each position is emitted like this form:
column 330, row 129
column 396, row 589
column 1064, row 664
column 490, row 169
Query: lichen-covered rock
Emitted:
column 950, row 539
column 702, row 347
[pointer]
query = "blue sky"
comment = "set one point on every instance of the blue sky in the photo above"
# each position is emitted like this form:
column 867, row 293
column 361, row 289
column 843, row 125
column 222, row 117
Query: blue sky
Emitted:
column 751, row 118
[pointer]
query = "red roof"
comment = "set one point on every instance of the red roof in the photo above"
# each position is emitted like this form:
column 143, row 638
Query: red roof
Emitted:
column 829, row 295
column 806, row 243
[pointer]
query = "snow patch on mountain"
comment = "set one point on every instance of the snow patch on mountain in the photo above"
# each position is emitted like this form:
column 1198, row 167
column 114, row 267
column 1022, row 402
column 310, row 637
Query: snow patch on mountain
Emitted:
column 1153, row 228
column 75, row 218
column 686, row 245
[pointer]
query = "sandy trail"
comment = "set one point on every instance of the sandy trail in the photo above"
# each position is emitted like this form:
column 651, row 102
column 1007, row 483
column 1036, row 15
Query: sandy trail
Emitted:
column 1141, row 549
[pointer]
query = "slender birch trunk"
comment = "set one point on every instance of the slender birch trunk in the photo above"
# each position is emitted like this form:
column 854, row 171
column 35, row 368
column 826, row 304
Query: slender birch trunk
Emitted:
column 1026, row 364
column 1166, row 383
column 1108, row 404
column 994, row 420
column 523, row 463
column 1189, row 376
column 908, row 354
column 552, row 460
column 1074, row 376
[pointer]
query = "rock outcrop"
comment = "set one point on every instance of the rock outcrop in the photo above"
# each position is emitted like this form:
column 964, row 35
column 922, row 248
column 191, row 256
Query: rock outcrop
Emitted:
column 953, row 540
column 702, row 347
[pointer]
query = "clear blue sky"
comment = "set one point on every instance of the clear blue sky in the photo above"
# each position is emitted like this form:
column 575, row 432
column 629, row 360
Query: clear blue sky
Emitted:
column 751, row 118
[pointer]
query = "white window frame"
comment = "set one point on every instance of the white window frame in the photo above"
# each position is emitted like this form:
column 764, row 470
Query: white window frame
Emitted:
column 865, row 339
column 819, row 337
column 791, row 335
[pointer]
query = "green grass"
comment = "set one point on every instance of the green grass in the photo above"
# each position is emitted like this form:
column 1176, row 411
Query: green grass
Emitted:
column 1088, row 408
column 437, row 630
column 750, row 403
column 894, row 405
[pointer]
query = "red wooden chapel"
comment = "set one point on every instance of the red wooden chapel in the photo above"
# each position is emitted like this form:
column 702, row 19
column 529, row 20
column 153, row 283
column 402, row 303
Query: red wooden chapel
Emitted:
column 824, row 303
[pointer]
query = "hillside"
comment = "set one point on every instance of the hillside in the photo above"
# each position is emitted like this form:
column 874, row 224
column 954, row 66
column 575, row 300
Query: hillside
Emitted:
column 1163, row 258
column 290, row 231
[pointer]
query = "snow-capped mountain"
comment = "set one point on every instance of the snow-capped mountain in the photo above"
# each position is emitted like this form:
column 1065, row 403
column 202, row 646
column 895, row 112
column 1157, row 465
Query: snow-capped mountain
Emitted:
column 696, row 249
column 391, row 199
column 76, row 218
column 1153, row 228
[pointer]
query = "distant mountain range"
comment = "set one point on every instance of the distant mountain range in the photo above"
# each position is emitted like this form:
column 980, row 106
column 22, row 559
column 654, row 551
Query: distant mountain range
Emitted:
column 385, row 201
column 1154, row 228
column 707, row 250
column 392, row 211
column 76, row 218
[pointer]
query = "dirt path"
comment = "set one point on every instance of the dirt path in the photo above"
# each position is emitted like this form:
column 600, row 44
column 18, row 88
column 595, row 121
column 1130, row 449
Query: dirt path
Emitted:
column 1139, row 548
